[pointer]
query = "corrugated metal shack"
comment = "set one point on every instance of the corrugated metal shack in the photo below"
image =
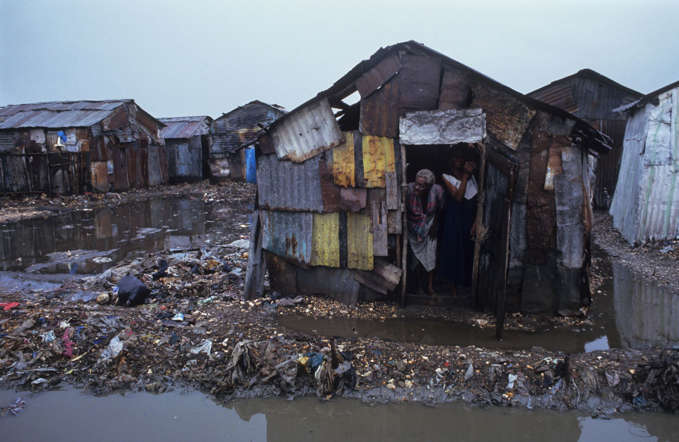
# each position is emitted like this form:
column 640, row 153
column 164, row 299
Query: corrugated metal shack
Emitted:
column 187, row 141
column 330, row 200
column 75, row 146
column 592, row 97
column 646, row 202
column 232, row 131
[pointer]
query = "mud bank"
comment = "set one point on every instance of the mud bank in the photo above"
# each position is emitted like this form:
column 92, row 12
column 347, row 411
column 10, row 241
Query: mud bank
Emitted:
column 194, row 329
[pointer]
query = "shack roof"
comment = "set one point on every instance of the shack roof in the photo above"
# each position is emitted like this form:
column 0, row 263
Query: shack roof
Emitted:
column 277, row 107
column 185, row 127
column 650, row 97
column 60, row 114
column 591, row 74
column 346, row 84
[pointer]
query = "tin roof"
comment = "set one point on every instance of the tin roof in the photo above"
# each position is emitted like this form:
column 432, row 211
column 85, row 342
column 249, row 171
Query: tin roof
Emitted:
column 347, row 83
column 185, row 127
column 589, row 73
column 58, row 114
column 650, row 97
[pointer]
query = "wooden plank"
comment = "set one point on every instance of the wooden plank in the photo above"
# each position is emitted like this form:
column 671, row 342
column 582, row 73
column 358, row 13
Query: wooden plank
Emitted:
column 378, row 212
column 378, row 159
column 392, row 197
column 254, row 277
column 325, row 248
column 343, row 162
column 359, row 242
column 394, row 222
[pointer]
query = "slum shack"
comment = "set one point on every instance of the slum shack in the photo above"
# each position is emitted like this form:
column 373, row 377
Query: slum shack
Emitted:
column 592, row 97
column 331, row 176
column 187, row 142
column 645, row 206
column 77, row 146
column 231, row 134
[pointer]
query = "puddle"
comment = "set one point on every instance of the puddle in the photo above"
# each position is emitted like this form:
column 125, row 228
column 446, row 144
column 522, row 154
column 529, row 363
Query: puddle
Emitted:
column 89, row 242
column 69, row 415
column 631, row 313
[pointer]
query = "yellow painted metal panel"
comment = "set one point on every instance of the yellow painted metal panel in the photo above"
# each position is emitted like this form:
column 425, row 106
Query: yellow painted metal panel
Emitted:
column 343, row 162
column 325, row 242
column 359, row 242
column 378, row 158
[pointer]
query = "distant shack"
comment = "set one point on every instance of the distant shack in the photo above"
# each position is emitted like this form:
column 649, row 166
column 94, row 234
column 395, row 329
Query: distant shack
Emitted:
column 232, row 131
column 331, row 174
column 68, row 147
column 646, row 202
column 188, row 142
column 591, row 96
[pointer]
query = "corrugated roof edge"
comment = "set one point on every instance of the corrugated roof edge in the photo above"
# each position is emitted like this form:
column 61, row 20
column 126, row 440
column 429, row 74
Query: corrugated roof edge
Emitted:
column 188, row 118
column 590, row 73
column 646, row 98
column 278, row 107
column 121, row 101
column 602, row 141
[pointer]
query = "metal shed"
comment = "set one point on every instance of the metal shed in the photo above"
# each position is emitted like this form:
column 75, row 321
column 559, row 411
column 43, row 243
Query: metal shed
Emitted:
column 76, row 146
column 591, row 96
column 330, row 207
column 187, row 142
column 233, row 131
column 646, row 202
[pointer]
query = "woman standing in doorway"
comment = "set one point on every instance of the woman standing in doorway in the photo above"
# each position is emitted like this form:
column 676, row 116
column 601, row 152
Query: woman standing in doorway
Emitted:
column 457, row 247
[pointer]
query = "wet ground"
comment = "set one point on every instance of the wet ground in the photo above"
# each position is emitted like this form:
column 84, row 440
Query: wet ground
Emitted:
column 627, row 312
column 40, row 254
column 68, row 415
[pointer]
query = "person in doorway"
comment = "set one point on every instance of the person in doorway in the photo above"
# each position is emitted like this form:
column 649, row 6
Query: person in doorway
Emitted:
column 457, row 247
column 424, row 201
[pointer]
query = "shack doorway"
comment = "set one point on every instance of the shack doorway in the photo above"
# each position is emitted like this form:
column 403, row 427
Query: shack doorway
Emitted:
column 432, row 140
column 452, row 228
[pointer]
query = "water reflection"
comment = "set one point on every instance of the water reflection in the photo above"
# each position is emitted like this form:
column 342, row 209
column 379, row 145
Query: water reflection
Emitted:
column 88, row 242
column 192, row 416
column 645, row 314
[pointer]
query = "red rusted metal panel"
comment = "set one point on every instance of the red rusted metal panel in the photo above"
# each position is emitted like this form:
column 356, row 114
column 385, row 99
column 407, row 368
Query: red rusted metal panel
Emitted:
column 353, row 199
column 330, row 192
column 380, row 112
column 419, row 79
column 455, row 90
column 376, row 77
column 120, row 177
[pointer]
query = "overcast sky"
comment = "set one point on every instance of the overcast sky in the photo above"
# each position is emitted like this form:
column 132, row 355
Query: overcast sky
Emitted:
column 206, row 57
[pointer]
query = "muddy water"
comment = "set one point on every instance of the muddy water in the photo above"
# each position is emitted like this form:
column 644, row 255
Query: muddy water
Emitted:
column 73, row 416
column 37, row 254
column 629, row 313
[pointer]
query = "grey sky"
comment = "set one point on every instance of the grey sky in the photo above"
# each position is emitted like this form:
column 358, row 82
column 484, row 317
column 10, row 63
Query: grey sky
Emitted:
column 206, row 57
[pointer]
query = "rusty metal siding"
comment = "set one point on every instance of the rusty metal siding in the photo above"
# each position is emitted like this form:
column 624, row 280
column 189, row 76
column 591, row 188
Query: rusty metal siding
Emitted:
column 310, row 131
column 343, row 162
column 609, row 163
column 289, row 186
column 506, row 117
column 419, row 82
column 156, row 175
column 325, row 243
column 455, row 91
column 378, row 159
column 57, row 114
column 559, row 94
column 359, row 242
column 378, row 76
column 380, row 111
column 288, row 234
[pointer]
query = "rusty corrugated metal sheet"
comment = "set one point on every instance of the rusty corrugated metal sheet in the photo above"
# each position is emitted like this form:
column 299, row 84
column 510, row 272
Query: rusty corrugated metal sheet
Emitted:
column 380, row 111
column 378, row 158
column 558, row 94
column 185, row 127
column 344, row 163
column 419, row 82
column 311, row 130
column 359, row 242
column 289, row 186
column 325, row 243
column 288, row 234
column 376, row 77
column 455, row 92
column 57, row 114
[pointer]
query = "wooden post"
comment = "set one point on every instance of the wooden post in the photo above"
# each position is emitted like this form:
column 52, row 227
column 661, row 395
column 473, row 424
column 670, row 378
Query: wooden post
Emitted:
column 478, row 222
column 404, row 234
column 506, row 228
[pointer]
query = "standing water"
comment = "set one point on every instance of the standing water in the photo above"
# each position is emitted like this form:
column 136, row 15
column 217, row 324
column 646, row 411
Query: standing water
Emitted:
column 68, row 415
